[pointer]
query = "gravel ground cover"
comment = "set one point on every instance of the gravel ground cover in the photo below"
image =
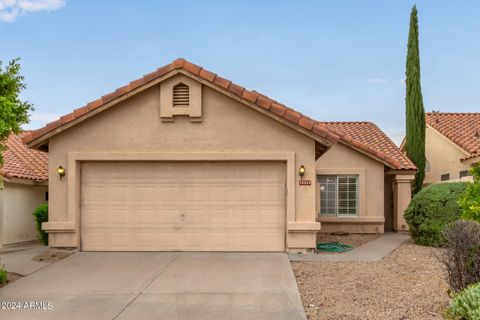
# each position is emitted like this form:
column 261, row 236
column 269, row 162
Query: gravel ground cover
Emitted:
column 407, row 284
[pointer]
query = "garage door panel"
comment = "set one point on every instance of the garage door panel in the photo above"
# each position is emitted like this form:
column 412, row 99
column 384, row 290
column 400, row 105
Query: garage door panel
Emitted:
column 144, row 194
column 189, row 206
column 196, row 193
column 270, row 193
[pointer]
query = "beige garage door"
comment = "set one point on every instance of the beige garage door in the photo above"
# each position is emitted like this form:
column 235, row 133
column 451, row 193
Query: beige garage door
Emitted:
column 183, row 206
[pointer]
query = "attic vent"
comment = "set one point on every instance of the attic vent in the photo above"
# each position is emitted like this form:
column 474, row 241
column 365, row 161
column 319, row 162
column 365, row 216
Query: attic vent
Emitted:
column 181, row 95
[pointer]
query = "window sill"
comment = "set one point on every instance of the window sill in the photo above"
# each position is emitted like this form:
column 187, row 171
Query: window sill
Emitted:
column 355, row 219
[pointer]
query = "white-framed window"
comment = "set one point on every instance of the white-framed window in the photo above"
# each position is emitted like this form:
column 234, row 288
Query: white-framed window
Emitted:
column 338, row 195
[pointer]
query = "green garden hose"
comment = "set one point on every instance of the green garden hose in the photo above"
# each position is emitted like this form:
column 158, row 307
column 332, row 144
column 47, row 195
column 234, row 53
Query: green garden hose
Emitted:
column 333, row 247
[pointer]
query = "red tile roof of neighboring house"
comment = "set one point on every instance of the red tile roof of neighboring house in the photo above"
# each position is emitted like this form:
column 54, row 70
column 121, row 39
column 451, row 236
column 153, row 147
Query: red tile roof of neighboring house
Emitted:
column 19, row 161
column 463, row 129
column 371, row 135
column 254, row 97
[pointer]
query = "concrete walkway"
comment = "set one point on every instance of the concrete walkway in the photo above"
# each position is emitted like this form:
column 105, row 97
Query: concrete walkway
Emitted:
column 20, row 247
column 160, row 285
column 371, row 251
column 19, row 260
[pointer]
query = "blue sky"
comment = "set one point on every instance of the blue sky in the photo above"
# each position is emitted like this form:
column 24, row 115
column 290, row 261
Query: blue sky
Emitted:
column 332, row 60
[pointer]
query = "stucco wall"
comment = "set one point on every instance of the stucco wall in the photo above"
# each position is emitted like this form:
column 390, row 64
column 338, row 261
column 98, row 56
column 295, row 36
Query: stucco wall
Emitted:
column 344, row 160
column 19, row 201
column 134, row 126
column 443, row 156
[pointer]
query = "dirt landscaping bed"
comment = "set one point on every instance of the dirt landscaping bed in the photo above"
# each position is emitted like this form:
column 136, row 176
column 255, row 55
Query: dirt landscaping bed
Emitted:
column 53, row 255
column 352, row 239
column 407, row 284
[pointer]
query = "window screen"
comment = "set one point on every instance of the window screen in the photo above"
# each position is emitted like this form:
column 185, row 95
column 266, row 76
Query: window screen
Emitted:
column 445, row 177
column 338, row 195
column 464, row 173
column 328, row 194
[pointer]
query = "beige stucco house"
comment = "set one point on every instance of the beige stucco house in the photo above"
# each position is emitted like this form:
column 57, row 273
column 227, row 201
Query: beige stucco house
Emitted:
column 183, row 159
column 452, row 145
column 24, row 179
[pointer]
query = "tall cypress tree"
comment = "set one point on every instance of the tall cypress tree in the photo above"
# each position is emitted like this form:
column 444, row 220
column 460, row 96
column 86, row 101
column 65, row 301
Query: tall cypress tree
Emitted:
column 415, row 114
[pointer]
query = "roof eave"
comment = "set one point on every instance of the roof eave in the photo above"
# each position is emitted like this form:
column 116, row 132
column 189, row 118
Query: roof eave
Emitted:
column 471, row 160
column 24, row 181
column 42, row 139
column 36, row 143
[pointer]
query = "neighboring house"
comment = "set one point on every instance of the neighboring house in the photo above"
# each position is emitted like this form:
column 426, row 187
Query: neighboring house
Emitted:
column 24, row 186
column 452, row 145
column 183, row 159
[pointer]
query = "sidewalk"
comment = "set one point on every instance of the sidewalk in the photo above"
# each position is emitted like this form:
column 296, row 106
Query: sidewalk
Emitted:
column 19, row 259
column 20, row 247
column 371, row 251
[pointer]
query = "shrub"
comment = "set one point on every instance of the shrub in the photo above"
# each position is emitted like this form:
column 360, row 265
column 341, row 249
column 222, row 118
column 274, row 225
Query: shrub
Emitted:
column 3, row 275
column 461, row 256
column 465, row 304
column 470, row 199
column 41, row 215
column 431, row 210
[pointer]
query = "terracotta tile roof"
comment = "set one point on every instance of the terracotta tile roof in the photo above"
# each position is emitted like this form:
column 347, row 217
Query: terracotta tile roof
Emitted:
column 19, row 161
column 372, row 137
column 260, row 100
column 463, row 129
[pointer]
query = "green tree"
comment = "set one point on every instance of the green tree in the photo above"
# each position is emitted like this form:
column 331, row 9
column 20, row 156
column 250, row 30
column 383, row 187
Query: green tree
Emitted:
column 470, row 200
column 13, row 112
column 415, row 114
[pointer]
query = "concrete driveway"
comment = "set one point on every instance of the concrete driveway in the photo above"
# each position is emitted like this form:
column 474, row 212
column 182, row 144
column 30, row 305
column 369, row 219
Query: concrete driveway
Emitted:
column 100, row 285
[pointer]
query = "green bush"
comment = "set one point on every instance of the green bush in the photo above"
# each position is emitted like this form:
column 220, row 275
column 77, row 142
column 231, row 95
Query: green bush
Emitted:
column 470, row 200
column 41, row 215
column 3, row 275
column 431, row 210
column 465, row 305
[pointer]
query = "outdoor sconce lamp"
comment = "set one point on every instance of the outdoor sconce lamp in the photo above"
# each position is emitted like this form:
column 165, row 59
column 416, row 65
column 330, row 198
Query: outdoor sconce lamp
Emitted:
column 301, row 171
column 61, row 172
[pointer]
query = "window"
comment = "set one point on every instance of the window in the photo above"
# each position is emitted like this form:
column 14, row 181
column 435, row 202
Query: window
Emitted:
column 445, row 177
column 464, row 173
column 428, row 168
column 338, row 195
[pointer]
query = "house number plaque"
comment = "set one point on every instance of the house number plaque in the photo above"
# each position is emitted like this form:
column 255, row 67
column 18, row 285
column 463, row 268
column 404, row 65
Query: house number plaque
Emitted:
column 305, row 182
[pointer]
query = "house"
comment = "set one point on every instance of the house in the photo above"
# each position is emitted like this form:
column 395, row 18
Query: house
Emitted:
column 452, row 145
column 183, row 159
column 24, row 187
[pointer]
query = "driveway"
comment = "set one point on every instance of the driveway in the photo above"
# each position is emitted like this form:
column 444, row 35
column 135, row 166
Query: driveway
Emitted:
column 121, row 285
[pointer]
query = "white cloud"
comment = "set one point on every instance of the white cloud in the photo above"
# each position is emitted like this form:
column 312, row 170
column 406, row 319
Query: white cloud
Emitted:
column 10, row 10
column 39, row 119
column 44, row 117
column 378, row 80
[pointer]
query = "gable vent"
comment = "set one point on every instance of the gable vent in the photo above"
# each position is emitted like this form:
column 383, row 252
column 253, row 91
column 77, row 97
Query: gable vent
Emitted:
column 181, row 95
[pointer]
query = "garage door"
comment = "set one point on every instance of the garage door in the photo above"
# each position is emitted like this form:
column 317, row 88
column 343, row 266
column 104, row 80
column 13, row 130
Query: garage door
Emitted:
column 183, row 206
